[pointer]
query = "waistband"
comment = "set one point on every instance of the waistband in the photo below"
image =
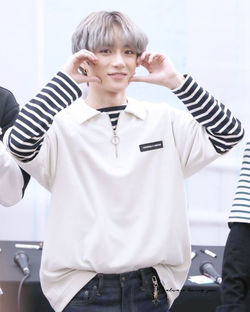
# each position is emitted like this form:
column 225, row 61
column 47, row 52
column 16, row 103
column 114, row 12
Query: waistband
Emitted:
column 129, row 275
column 141, row 276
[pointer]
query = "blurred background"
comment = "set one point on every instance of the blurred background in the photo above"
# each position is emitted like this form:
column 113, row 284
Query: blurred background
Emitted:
column 209, row 39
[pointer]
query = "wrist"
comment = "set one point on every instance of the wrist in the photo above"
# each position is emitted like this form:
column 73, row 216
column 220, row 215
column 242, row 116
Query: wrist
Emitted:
column 175, row 81
column 72, row 77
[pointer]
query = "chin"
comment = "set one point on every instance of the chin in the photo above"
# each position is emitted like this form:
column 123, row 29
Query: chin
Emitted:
column 117, row 88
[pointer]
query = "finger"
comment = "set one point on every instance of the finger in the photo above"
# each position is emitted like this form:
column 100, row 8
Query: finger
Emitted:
column 142, row 56
column 138, row 61
column 145, row 55
column 140, row 79
column 80, row 78
column 75, row 61
column 84, row 55
column 146, row 65
column 155, row 57
column 162, row 57
column 151, row 58
column 87, row 53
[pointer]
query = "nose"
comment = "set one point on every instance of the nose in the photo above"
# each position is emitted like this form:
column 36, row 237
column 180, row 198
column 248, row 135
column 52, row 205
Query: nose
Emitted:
column 118, row 60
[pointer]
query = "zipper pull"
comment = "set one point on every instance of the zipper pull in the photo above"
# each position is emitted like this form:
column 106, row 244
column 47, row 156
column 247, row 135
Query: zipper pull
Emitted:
column 155, row 292
column 115, row 140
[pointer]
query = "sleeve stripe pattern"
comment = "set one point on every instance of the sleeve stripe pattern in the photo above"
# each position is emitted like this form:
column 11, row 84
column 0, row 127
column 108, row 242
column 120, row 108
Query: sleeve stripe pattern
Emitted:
column 36, row 117
column 240, row 211
column 223, row 129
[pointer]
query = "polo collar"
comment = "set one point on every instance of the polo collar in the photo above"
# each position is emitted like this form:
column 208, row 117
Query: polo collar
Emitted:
column 136, row 108
column 82, row 112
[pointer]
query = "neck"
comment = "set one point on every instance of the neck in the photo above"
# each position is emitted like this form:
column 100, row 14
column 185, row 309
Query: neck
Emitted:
column 105, row 99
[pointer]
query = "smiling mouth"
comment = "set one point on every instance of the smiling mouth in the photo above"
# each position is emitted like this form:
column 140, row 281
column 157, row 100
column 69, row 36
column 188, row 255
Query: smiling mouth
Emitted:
column 117, row 75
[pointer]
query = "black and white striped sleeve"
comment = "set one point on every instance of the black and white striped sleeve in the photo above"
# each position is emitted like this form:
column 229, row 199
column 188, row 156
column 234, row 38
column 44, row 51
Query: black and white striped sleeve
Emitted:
column 240, row 211
column 36, row 117
column 223, row 129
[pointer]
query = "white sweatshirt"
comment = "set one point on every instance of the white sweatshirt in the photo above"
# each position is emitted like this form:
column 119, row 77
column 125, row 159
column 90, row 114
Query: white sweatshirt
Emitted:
column 115, row 210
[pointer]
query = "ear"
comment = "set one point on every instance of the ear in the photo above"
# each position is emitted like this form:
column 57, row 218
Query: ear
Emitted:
column 87, row 65
column 83, row 71
column 138, row 61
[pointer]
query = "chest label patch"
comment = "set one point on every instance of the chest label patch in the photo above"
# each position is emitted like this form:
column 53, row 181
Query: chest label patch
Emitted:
column 151, row 146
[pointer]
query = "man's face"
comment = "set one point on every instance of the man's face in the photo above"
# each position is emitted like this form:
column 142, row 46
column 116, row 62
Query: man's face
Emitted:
column 116, row 65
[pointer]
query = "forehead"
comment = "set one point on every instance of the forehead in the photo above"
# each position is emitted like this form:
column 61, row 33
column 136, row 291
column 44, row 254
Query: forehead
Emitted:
column 112, row 37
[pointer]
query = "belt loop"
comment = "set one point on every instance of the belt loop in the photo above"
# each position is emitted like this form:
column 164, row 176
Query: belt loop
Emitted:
column 100, row 284
column 122, row 278
column 143, row 278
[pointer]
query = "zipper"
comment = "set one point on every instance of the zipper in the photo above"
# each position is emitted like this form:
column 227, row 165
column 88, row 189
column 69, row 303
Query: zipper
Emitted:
column 115, row 140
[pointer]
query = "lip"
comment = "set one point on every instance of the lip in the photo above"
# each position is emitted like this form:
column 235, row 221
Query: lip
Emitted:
column 117, row 75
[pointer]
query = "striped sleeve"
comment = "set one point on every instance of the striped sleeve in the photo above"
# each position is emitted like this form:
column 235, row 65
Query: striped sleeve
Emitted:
column 240, row 211
column 223, row 129
column 36, row 117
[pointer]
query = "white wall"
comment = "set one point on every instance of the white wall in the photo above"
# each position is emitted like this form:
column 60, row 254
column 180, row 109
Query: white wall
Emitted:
column 207, row 38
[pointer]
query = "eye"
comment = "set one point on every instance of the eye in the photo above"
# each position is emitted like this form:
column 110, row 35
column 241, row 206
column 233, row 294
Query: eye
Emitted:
column 130, row 52
column 105, row 51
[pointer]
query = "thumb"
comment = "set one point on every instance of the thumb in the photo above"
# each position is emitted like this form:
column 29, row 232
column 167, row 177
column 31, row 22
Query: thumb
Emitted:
column 80, row 78
column 93, row 79
column 140, row 79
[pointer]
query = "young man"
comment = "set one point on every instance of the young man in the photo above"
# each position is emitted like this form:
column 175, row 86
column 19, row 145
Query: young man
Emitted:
column 13, row 181
column 236, row 262
column 117, row 235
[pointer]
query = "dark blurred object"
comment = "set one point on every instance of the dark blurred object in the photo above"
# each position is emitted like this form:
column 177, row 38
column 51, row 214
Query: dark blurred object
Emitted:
column 207, row 269
column 22, row 261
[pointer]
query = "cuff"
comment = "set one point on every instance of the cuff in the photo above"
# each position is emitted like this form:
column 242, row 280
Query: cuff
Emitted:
column 184, row 85
column 69, row 84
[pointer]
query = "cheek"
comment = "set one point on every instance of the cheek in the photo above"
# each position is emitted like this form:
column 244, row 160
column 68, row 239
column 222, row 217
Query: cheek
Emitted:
column 132, row 69
column 133, row 64
column 96, row 71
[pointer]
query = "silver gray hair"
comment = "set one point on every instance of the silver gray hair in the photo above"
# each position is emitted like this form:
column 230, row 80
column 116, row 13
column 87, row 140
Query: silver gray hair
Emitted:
column 97, row 29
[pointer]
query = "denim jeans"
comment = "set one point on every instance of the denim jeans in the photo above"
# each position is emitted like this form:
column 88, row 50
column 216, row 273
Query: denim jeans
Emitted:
column 137, row 291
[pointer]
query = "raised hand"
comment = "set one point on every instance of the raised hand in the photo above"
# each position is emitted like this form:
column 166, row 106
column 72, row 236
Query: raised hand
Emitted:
column 74, row 65
column 161, row 71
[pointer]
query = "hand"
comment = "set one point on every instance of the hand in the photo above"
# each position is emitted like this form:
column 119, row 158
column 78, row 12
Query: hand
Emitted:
column 77, row 61
column 161, row 70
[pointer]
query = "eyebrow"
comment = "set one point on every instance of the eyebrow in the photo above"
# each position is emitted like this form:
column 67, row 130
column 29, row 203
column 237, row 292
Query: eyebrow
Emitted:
column 126, row 46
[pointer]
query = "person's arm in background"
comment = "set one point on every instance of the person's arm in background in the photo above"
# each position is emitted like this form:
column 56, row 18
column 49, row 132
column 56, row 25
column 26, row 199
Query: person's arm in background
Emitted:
column 236, row 261
column 13, row 180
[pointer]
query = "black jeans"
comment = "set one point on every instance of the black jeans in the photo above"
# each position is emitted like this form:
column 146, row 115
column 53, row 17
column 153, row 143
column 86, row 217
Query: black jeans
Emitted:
column 236, row 270
column 137, row 291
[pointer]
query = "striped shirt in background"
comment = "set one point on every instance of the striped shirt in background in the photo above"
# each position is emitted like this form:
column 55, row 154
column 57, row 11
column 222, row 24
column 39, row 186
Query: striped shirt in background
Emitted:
column 36, row 117
column 240, row 211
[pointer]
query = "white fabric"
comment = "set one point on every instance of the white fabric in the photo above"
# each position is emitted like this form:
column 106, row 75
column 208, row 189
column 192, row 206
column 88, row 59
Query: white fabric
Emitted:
column 113, row 215
column 11, row 179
